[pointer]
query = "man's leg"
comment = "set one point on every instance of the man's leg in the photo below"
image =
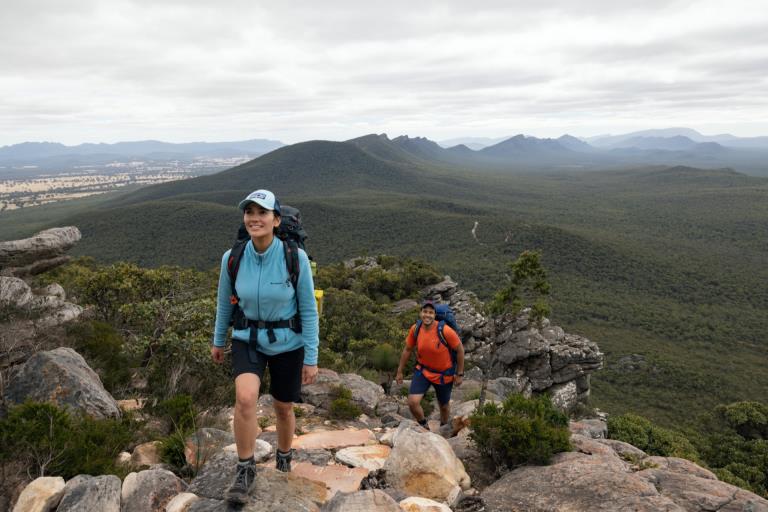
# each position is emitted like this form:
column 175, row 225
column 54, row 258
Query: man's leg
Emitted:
column 419, row 386
column 443, row 394
column 414, row 404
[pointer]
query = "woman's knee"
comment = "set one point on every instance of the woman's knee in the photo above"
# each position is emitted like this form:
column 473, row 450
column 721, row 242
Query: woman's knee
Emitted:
column 246, row 393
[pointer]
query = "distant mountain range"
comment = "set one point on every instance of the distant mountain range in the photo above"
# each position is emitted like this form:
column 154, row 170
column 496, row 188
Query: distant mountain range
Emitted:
column 53, row 154
column 724, row 139
column 673, row 146
column 606, row 141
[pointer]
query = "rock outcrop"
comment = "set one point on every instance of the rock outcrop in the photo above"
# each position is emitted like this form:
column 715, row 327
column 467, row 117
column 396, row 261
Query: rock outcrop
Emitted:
column 596, row 477
column 520, row 356
column 61, row 376
column 39, row 253
column 24, row 312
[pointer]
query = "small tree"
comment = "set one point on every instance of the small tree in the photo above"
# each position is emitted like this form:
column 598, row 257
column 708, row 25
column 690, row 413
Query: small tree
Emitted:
column 528, row 285
column 384, row 359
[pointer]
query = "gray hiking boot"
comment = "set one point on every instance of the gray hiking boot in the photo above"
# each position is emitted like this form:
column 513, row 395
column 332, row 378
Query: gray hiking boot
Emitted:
column 243, row 484
column 283, row 461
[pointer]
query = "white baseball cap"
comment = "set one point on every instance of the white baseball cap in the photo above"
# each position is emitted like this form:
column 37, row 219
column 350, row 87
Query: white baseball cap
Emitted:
column 263, row 198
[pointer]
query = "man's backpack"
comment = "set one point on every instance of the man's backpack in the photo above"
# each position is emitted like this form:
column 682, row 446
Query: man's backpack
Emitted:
column 443, row 316
column 291, row 233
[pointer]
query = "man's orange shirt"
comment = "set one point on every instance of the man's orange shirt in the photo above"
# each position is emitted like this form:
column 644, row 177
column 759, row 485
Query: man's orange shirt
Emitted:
column 432, row 353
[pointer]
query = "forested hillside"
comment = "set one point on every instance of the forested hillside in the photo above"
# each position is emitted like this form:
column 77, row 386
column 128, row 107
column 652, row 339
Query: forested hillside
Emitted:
column 663, row 267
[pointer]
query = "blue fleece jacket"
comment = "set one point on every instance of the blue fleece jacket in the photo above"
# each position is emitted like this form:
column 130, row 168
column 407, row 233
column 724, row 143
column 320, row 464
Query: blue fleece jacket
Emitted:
column 264, row 287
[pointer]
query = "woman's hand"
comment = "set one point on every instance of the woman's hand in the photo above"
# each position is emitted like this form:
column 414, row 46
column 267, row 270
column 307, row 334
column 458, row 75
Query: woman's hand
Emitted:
column 399, row 378
column 217, row 354
column 308, row 373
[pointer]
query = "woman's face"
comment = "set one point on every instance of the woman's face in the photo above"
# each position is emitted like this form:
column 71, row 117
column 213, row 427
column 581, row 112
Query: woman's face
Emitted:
column 259, row 222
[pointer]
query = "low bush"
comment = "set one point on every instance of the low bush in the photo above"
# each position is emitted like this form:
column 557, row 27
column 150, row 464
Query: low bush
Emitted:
column 104, row 349
column 50, row 441
column 179, row 411
column 342, row 407
column 520, row 431
column 653, row 440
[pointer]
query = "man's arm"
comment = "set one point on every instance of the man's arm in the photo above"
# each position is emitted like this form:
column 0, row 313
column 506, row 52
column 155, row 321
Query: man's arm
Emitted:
column 459, row 365
column 404, row 357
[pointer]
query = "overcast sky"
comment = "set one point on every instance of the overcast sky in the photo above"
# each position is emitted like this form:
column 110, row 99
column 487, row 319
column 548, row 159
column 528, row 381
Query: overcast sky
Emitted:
column 189, row 70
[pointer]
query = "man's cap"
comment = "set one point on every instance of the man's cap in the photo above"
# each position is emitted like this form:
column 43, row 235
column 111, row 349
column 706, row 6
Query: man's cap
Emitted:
column 428, row 303
column 263, row 198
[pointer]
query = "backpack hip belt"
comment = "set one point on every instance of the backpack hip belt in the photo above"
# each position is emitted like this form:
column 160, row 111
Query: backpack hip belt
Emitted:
column 443, row 374
column 242, row 322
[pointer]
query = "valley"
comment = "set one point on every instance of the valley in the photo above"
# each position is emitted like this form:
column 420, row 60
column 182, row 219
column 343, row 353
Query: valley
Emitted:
column 660, row 265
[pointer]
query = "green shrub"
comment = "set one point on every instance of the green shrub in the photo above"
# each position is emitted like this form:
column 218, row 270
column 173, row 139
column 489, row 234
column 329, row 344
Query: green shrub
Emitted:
column 172, row 449
column 343, row 409
column 653, row 440
column 180, row 411
column 520, row 431
column 104, row 349
column 50, row 441
column 726, row 476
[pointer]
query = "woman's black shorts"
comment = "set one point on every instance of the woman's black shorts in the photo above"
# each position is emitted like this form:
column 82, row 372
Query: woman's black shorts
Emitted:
column 284, row 369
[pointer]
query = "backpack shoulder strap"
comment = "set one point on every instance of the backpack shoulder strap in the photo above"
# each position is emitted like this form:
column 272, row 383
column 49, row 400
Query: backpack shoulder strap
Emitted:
column 416, row 328
column 291, row 249
column 233, row 264
column 441, row 337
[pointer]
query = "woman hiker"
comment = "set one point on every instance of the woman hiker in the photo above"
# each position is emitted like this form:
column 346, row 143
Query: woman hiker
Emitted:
column 274, row 324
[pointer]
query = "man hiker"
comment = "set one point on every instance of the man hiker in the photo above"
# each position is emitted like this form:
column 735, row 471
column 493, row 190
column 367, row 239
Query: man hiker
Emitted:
column 439, row 362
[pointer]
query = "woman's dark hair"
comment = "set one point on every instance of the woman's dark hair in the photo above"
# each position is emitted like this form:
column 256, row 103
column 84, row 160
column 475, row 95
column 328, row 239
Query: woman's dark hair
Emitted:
column 275, row 230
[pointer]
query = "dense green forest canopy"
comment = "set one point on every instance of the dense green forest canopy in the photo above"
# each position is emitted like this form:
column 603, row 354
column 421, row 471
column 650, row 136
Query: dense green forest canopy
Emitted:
column 662, row 266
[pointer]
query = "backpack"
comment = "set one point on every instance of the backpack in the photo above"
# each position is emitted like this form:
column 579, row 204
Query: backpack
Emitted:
column 291, row 233
column 443, row 315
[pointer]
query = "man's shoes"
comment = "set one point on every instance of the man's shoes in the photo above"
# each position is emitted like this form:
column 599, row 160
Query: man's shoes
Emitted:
column 283, row 461
column 243, row 484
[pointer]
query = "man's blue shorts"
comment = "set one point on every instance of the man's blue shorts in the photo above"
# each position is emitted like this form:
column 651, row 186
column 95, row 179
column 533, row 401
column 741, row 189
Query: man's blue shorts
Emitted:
column 420, row 384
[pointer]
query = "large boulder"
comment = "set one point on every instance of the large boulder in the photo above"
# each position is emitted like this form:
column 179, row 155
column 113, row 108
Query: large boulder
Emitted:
column 62, row 376
column 575, row 481
column 150, row 490
column 273, row 489
column 699, row 490
column 423, row 464
column 39, row 253
column 85, row 492
column 14, row 292
column 595, row 477
column 41, row 495
column 373, row 500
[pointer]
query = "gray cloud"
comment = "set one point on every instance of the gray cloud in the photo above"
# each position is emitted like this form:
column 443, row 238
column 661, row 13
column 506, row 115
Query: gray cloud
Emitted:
column 192, row 69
